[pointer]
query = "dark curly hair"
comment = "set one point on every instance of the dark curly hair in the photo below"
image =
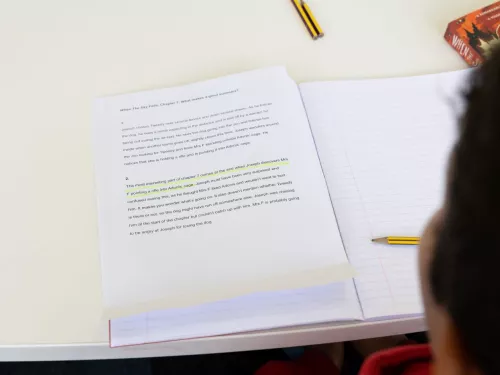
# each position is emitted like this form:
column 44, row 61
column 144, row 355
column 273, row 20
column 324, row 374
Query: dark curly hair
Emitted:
column 467, row 255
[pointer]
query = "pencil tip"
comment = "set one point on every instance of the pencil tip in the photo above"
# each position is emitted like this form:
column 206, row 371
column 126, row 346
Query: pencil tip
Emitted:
column 380, row 240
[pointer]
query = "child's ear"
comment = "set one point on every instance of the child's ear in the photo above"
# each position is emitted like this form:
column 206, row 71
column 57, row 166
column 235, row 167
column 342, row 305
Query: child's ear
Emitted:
column 450, row 354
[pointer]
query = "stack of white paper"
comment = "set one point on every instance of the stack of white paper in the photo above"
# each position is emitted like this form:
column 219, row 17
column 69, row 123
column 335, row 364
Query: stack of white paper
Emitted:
column 215, row 216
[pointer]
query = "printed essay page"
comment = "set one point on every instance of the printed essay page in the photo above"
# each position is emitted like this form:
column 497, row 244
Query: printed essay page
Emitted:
column 211, row 191
column 384, row 147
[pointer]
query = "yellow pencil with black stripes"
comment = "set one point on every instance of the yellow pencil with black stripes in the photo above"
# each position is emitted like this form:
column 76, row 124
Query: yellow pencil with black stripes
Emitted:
column 395, row 240
column 305, row 19
column 313, row 19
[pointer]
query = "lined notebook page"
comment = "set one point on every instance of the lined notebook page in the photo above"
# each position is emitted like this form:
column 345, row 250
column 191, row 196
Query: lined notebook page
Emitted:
column 384, row 146
column 334, row 302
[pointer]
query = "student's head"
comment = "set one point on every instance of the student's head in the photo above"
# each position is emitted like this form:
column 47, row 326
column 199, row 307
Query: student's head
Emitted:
column 460, row 250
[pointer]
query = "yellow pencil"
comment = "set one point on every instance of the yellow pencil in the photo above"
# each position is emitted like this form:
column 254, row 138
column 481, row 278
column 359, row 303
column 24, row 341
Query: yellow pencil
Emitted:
column 395, row 240
column 313, row 19
column 305, row 19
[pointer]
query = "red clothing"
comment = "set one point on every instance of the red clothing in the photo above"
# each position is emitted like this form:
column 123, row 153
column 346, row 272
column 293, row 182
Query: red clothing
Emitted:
column 403, row 360
column 312, row 362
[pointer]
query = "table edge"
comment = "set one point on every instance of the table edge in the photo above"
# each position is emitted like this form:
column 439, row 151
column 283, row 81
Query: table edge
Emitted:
column 278, row 338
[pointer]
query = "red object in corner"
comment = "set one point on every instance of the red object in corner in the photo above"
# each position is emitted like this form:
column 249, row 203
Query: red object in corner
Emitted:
column 403, row 360
column 312, row 362
column 475, row 34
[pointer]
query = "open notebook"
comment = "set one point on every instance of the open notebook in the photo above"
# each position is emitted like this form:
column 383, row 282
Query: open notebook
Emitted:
column 382, row 146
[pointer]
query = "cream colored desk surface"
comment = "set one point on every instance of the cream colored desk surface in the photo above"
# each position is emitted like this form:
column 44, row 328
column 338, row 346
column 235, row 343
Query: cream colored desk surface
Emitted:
column 57, row 55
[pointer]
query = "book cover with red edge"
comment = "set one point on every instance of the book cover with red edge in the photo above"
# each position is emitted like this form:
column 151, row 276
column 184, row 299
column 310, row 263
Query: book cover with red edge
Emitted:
column 474, row 34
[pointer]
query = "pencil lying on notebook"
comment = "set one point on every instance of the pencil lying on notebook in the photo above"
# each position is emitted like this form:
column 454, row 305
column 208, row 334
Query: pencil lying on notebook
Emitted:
column 394, row 240
column 308, row 18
